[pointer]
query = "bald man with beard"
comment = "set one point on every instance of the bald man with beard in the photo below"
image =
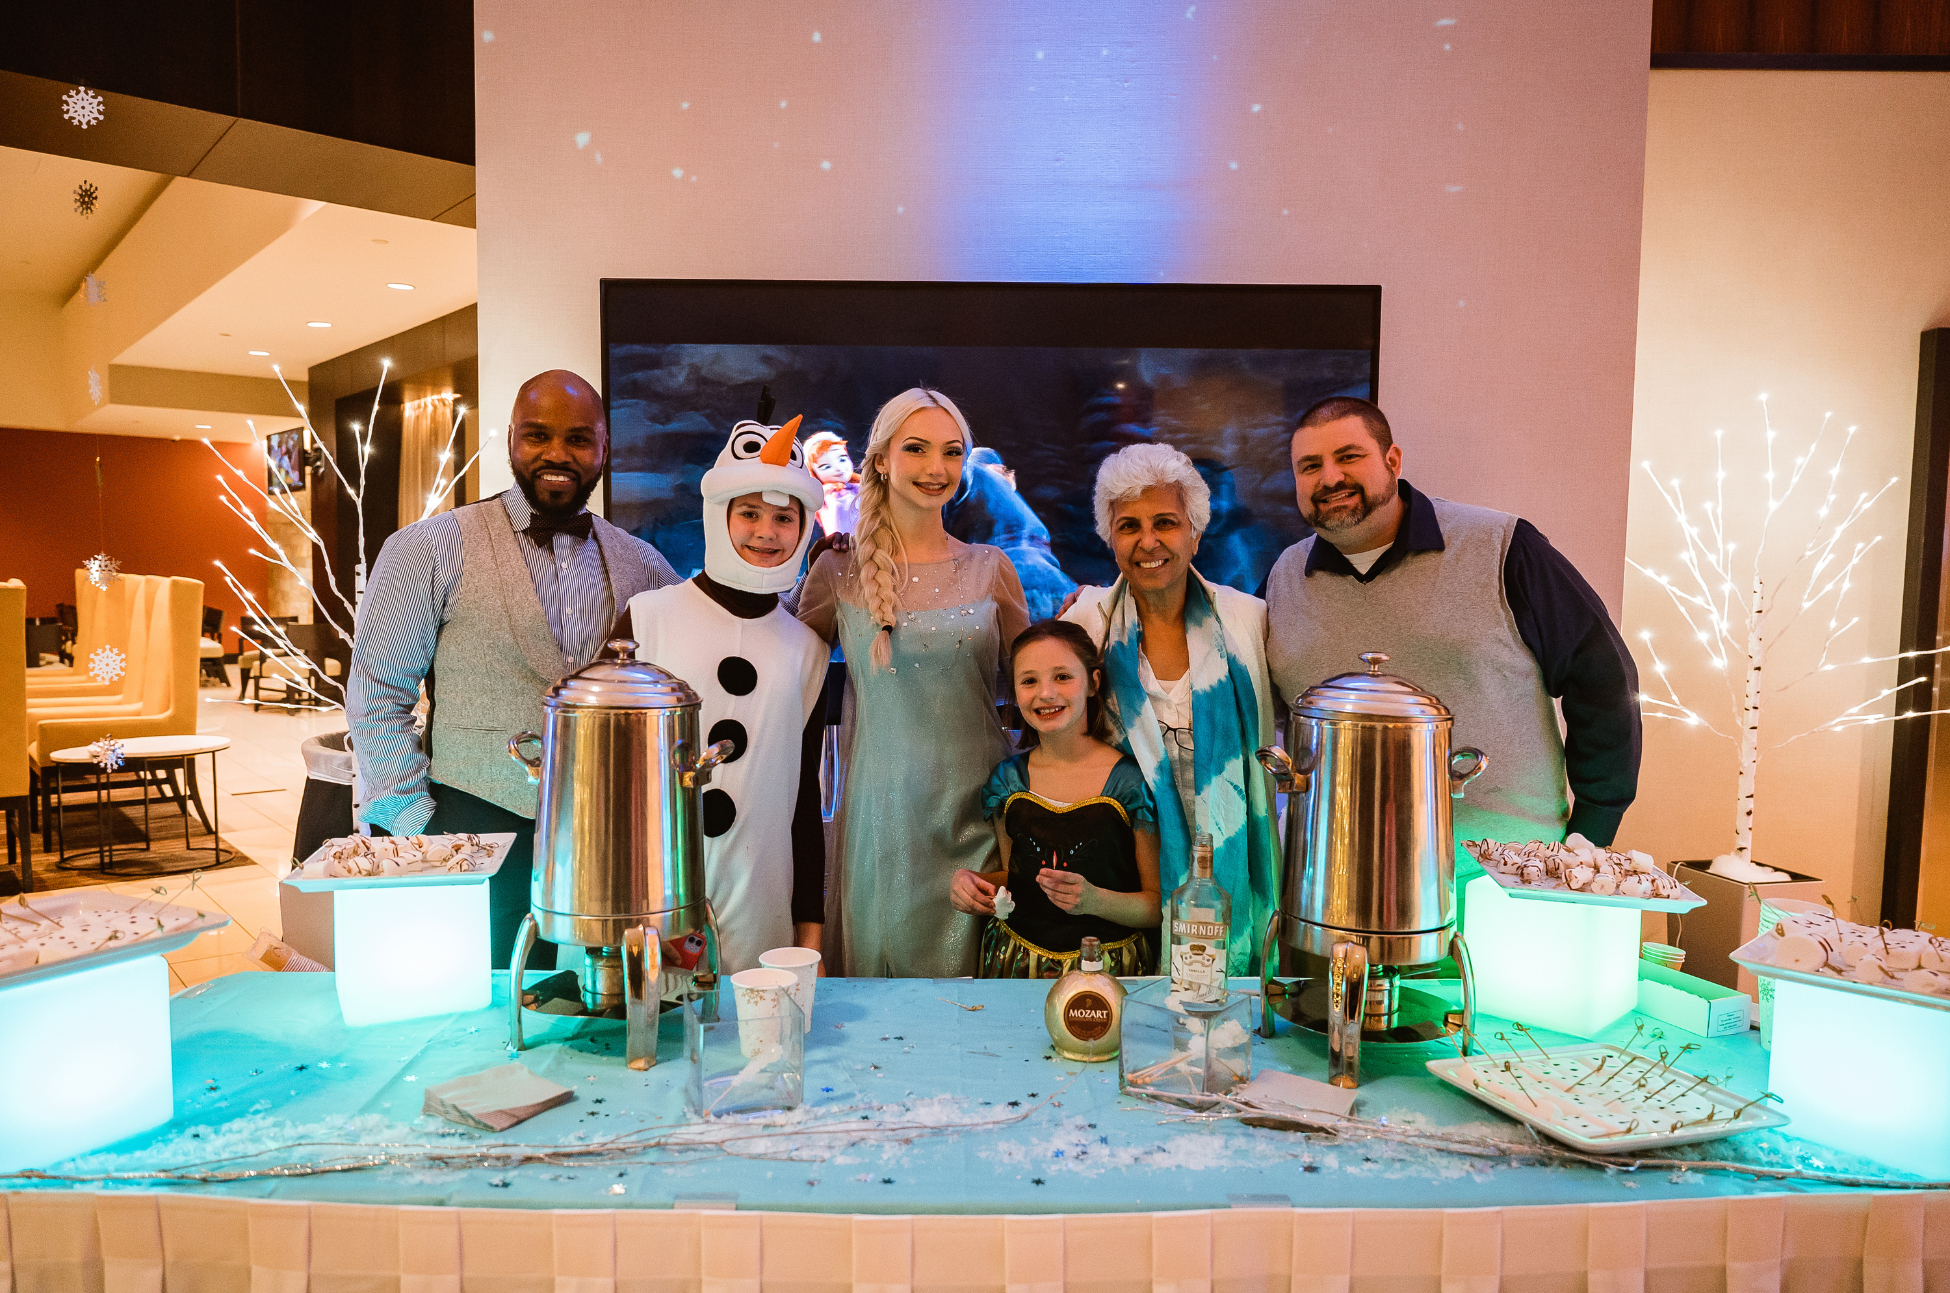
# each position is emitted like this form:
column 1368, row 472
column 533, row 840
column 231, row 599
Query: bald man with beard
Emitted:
column 489, row 604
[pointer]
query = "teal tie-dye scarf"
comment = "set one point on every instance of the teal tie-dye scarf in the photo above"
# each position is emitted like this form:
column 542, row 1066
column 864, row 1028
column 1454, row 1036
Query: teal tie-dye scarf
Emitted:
column 1229, row 792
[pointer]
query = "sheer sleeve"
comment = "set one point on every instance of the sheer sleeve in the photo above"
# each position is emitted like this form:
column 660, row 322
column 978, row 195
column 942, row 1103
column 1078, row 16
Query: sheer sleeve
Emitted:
column 819, row 596
column 1006, row 780
column 1126, row 785
column 1011, row 607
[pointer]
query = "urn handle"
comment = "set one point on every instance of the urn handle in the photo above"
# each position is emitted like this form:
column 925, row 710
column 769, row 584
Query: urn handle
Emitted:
column 697, row 772
column 534, row 765
column 1458, row 778
column 1290, row 770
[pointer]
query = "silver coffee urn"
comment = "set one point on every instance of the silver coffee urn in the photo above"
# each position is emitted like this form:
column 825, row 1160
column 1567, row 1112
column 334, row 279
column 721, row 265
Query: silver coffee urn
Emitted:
column 619, row 855
column 1370, row 879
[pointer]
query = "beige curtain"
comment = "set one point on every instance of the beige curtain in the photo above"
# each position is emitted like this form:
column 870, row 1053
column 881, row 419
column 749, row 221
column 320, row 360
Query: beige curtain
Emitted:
column 423, row 471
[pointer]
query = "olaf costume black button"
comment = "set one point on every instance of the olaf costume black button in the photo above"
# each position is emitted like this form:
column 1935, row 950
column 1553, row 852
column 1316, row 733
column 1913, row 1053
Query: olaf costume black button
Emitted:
column 736, row 675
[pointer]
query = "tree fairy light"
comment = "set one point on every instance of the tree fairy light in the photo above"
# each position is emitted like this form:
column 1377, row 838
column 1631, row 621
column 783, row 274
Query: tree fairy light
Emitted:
column 1738, row 612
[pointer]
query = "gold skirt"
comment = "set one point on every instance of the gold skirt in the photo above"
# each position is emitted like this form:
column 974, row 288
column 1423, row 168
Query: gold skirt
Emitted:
column 1008, row 955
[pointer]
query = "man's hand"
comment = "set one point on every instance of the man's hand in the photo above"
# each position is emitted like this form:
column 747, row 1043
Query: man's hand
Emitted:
column 1071, row 893
column 972, row 894
column 1069, row 601
column 840, row 542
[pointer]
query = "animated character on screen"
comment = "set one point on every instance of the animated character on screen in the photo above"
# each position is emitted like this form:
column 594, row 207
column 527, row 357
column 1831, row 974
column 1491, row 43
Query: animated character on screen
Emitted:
column 827, row 455
column 759, row 673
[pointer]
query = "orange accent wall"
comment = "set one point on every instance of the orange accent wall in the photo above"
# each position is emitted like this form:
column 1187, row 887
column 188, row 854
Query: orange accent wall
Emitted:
column 159, row 514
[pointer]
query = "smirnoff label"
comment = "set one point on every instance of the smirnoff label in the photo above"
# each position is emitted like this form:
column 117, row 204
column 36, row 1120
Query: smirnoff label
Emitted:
column 1087, row 1015
column 1199, row 929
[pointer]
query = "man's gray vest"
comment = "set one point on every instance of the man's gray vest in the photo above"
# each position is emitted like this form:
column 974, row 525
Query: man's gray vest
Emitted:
column 1445, row 624
column 496, row 655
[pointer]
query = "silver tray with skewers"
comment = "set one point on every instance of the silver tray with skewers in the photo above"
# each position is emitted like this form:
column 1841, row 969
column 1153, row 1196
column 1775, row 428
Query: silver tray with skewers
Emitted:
column 141, row 927
column 1674, row 1107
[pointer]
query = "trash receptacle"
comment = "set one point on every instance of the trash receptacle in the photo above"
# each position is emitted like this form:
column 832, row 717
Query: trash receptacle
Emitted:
column 325, row 813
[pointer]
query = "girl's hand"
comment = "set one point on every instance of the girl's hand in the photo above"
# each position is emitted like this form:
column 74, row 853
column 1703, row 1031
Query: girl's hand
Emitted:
column 840, row 542
column 1071, row 893
column 972, row 894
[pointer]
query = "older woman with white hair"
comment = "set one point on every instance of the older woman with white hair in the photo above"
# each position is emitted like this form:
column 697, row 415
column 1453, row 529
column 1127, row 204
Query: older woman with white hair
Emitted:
column 1185, row 663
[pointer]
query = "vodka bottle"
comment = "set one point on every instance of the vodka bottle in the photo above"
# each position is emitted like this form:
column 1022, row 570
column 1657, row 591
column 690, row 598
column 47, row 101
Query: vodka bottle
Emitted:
column 1201, row 918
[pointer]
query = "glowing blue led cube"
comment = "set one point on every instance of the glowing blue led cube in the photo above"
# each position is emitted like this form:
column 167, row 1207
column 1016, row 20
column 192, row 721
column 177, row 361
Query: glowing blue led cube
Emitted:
column 405, row 952
column 1569, row 967
column 1863, row 1074
column 84, row 1061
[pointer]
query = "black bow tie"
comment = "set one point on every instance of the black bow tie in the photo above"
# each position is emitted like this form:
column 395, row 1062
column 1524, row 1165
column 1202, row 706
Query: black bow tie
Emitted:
column 544, row 532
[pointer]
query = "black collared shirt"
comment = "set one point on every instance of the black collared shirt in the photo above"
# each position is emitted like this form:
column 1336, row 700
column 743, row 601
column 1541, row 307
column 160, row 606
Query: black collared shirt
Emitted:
column 1579, row 651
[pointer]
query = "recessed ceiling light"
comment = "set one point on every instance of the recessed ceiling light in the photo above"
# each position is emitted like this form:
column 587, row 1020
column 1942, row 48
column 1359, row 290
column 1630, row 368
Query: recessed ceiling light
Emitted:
column 400, row 287
column 203, row 426
column 318, row 323
column 262, row 354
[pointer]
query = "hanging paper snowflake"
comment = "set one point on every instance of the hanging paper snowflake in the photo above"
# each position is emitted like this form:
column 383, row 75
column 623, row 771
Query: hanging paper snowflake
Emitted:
column 102, row 569
column 94, row 290
column 107, row 752
column 96, row 389
column 81, row 106
column 106, row 665
column 85, row 197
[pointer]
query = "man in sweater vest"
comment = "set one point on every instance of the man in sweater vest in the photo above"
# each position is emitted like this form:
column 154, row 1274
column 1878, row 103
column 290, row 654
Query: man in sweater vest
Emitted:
column 489, row 604
column 1471, row 605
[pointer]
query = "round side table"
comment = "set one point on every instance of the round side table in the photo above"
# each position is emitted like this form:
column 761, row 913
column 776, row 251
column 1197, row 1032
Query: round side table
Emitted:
column 141, row 754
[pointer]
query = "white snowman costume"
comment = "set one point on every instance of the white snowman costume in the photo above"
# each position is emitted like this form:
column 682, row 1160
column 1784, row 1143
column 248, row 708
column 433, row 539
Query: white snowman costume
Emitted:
column 758, row 681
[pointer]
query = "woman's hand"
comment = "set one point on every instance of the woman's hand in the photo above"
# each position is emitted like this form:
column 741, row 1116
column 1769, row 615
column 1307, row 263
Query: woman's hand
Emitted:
column 972, row 894
column 1072, row 894
column 840, row 542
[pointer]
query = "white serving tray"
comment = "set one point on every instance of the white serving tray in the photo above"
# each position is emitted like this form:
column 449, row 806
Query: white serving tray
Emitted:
column 1757, row 958
column 500, row 844
column 1460, row 1073
column 63, row 903
column 1558, row 891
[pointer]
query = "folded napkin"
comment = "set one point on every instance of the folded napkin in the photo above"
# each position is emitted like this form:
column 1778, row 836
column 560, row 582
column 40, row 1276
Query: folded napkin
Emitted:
column 494, row 1099
column 1271, row 1086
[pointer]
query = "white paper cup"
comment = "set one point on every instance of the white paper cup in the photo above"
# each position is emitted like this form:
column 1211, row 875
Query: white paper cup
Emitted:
column 803, row 964
column 759, row 996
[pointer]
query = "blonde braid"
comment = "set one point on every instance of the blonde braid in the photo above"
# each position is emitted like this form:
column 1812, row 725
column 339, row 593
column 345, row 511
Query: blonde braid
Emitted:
column 873, row 537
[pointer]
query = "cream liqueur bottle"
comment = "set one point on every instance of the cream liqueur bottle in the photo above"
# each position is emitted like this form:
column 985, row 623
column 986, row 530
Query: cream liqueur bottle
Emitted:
column 1084, row 1008
column 1201, row 917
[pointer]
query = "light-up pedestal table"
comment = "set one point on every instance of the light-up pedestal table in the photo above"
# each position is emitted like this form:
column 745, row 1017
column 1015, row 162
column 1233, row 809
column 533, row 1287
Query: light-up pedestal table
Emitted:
column 409, row 946
column 1864, row 1073
column 1569, row 967
column 84, row 1043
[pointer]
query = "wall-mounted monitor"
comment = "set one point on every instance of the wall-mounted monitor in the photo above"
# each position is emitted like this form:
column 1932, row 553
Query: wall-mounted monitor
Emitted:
column 1052, row 378
column 284, row 460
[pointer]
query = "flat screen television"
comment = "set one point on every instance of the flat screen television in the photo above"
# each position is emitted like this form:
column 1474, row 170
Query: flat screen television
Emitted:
column 284, row 460
column 1052, row 378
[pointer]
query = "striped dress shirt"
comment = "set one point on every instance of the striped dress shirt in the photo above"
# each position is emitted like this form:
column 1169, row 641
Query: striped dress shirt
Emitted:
column 406, row 605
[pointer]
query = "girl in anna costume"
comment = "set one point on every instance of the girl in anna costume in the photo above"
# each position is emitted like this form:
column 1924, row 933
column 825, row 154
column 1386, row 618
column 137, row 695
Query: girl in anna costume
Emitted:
column 758, row 673
column 1075, row 823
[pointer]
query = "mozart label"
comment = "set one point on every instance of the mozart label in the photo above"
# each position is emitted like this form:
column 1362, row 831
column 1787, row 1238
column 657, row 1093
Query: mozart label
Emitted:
column 1087, row 1016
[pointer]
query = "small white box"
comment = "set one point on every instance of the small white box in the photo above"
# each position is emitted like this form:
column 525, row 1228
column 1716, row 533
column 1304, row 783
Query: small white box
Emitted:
column 1692, row 1003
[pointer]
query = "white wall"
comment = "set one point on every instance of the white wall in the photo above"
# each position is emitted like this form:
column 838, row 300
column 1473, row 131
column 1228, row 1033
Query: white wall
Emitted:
column 1480, row 161
column 1797, row 241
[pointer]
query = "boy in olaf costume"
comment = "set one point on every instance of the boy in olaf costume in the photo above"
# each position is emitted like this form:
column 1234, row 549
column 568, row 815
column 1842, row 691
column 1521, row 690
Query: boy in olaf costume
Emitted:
column 759, row 673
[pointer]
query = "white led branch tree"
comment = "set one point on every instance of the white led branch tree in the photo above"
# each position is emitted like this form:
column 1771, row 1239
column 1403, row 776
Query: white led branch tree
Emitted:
column 334, row 608
column 1740, row 599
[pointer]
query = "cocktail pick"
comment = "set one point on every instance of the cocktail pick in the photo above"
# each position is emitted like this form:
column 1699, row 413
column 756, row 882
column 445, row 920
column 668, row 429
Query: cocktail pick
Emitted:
column 1527, row 1036
column 1765, row 1095
column 1600, row 1069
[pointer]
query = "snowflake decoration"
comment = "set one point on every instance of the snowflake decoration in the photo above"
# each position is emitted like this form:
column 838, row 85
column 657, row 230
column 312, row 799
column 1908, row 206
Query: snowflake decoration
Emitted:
column 102, row 569
column 82, row 107
column 107, row 753
column 106, row 665
column 95, row 387
column 85, row 197
column 94, row 290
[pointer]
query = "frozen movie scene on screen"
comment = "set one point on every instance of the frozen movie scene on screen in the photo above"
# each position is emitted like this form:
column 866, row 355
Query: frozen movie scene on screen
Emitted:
column 1043, row 416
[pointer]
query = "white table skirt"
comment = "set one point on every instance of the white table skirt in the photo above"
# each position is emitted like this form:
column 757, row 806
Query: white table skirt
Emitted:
column 130, row 1242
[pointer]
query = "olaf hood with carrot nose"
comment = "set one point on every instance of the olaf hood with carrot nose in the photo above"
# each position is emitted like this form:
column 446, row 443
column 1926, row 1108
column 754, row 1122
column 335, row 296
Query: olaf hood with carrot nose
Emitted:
column 769, row 462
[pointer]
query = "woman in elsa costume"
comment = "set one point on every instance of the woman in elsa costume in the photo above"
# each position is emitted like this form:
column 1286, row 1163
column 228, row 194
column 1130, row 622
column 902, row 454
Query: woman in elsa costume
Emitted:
column 925, row 621
column 1185, row 661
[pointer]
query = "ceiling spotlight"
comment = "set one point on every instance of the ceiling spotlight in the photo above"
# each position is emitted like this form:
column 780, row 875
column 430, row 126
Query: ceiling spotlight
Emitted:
column 400, row 287
column 203, row 426
column 261, row 354
column 318, row 323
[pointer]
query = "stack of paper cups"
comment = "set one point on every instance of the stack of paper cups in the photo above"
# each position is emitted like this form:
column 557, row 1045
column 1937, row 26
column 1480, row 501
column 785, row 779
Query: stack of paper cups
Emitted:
column 1771, row 912
column 1663, row 954
column 759, row 996
column 802, row 963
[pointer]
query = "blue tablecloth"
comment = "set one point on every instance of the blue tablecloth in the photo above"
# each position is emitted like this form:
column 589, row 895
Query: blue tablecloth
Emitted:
column 263, row 1060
